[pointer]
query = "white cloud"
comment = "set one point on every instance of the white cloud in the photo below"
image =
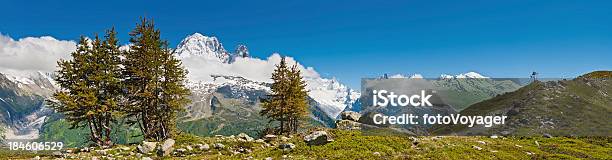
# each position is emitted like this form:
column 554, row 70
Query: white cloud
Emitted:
column 32, row 53
column 256, row 69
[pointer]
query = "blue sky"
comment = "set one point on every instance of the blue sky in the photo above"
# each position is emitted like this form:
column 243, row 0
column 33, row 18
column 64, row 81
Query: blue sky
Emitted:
column 354, row 39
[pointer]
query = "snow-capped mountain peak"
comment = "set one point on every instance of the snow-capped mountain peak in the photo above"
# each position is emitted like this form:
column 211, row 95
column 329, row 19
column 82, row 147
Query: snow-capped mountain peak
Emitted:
column 416, row 76
column 397, row 76
column 242, row 51
column 470, row 75
column 198, row 45
column 19, row 79
column 32, row 80
column 463, row 75
column 413, row 76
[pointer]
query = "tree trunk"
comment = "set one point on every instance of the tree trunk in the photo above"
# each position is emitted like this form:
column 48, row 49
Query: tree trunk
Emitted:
column 107, row 130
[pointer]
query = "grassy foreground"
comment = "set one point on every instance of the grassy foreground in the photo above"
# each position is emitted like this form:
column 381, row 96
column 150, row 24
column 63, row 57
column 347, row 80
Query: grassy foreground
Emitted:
column 354, row 145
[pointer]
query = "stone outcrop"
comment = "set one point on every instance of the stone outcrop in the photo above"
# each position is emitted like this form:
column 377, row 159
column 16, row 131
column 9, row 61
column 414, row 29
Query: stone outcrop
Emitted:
column 146, row 147
column 350, row 115
column 318, row 138
column 166, row 148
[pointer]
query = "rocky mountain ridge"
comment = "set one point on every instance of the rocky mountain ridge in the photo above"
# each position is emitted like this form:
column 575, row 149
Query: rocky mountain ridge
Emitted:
column 560, row 107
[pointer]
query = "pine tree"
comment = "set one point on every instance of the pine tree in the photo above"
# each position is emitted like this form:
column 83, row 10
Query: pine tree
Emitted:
column 90, row 83
column 298, row 101
column 275, row 105
column 174, row 96
column 154, row 81
column 107, row 79
column 288, row 102
column 74, row 101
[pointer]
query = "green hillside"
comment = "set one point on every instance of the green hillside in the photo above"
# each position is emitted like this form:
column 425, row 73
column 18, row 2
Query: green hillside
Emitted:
column 581, row 106
column 354, row 145
column 598, row 74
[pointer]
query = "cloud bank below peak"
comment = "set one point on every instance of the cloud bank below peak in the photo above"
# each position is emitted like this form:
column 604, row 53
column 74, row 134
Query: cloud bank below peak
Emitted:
column 255, row 69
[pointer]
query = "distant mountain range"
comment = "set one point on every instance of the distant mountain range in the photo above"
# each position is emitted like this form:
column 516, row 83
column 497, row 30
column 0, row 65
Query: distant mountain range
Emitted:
column 577, row 107
column 460, row 90
column 452, row 95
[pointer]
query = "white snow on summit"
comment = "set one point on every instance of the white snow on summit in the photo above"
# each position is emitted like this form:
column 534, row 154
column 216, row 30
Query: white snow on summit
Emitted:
column 32, row 80
column 19, row 79
column 202, row 46
column 443, row 76
column 416, row 76
column 470, row 75
column 397, row 76
column 463, row 75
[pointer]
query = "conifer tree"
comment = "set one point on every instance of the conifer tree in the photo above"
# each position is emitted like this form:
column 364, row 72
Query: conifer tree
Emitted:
column 174, row 95
column 107, row 80
column 90, row 83
column 275, row 105
column 288, row 102
column 297, row 98
column 154, row 81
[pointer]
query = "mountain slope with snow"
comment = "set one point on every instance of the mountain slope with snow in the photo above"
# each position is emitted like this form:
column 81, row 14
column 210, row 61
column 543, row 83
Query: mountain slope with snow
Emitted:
column 331, row 94
column 22, row 110
column 205, row 57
